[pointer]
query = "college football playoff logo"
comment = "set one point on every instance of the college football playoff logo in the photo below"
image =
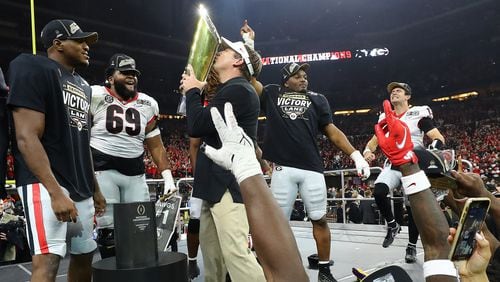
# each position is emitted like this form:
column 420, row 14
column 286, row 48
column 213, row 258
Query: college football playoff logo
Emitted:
column 141, row 210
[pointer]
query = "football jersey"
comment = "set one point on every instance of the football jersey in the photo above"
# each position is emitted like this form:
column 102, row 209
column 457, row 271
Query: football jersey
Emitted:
column 119, row 127
column 411, row 118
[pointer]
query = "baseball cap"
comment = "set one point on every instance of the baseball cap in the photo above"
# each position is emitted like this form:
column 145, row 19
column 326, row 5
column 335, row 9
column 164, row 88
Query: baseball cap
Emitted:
column 65, row 29
column 401, row 85
column 239, row 47
column 122, row 62
column 291, row 69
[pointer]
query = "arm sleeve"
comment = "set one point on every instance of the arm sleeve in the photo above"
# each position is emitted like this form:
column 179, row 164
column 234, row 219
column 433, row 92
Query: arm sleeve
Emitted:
column 324, row 111
column 95, row 99
column 155, row 110
column 194, row 111
column 426, row 111
column 266, row 92
column 29, row 84
column 269, row 92
column 426, row 124
column 262, row 99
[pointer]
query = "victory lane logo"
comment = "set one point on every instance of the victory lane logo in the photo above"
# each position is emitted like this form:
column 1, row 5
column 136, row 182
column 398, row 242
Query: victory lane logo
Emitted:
column 294, row 105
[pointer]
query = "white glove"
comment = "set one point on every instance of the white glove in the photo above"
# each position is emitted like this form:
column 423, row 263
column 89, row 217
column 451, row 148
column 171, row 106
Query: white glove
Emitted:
column 248, row 40
column 169, row 189
column 237, row 152
column 361, row 165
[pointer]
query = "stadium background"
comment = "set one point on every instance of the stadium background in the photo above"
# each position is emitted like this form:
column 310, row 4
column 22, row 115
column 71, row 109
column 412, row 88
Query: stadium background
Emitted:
column 441, row 48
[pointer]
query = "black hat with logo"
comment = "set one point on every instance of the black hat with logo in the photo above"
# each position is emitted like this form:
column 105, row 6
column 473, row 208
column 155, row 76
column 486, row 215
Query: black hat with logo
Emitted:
column 65, row 29
column 291, row 69
column 122, row 63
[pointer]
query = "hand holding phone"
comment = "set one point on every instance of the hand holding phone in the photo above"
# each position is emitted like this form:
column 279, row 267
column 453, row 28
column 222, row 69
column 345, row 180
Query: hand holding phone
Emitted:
column 471, row 222
column 476, row 265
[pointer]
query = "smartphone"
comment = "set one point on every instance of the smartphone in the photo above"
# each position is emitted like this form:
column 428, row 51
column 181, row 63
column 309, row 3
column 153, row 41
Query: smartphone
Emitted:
column 471, row 222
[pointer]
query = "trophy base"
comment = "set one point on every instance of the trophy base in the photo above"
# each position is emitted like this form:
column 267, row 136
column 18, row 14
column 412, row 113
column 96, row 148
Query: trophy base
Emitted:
column 171, row 265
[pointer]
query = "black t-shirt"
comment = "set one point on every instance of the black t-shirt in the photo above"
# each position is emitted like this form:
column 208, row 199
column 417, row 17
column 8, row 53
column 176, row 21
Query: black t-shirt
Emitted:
column 211, row 180
column 3, row 102
column 294, row 119
column 3, row 97
column 41, row 84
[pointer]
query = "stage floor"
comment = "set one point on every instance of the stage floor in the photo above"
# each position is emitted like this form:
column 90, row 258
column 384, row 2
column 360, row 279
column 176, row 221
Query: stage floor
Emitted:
column 353, row 245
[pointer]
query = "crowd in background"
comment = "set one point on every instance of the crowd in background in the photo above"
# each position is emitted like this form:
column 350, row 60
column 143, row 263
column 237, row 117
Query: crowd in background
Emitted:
column 470, row 127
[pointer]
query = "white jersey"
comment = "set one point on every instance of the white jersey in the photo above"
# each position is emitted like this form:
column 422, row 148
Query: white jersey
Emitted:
column 411, row 118
column 118, row 128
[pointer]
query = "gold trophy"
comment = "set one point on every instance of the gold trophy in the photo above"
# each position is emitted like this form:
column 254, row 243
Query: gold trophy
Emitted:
column 205, row 43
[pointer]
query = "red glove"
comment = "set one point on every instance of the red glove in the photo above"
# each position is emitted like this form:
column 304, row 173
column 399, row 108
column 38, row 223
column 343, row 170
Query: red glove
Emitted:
column 394, row 138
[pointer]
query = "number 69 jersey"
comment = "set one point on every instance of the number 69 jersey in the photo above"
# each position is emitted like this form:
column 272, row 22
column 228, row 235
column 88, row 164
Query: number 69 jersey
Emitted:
column 118, row 128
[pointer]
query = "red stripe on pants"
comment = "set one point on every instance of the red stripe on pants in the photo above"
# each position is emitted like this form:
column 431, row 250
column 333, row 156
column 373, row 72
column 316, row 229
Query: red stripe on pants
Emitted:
column 38, row 211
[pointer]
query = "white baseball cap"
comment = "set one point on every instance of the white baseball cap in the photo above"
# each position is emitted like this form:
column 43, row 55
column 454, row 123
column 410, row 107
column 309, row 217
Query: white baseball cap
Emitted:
column 239, row 47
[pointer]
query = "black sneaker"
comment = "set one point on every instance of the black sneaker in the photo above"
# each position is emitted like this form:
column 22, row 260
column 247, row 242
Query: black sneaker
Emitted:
column 193, row 269
column 359, row 273
column 325, row 276
column 391, row 234
column 411, row 254
column 106, row 242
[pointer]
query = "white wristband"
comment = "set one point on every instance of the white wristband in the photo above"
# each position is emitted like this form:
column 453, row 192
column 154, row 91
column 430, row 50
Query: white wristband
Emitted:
column 366, row 151
column 415, row 183
column 153, row 133
column 248, row 41
column 167, row 177
column 439, row 267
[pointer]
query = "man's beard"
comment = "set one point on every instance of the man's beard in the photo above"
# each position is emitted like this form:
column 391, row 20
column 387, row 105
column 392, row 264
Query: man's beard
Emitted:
column 122, row 90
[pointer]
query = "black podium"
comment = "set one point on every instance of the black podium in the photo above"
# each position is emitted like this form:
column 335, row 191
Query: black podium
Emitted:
column 170, row 267
column 137, row 257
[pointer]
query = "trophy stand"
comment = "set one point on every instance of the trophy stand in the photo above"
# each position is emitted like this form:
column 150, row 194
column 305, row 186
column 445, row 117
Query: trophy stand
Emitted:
column 137, row 257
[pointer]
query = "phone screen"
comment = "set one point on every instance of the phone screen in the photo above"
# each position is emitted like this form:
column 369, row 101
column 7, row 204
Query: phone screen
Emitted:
column 470, row 226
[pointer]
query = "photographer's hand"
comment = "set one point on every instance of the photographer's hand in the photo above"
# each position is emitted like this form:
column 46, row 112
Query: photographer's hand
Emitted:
column 470, row 184
column 474, row 269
